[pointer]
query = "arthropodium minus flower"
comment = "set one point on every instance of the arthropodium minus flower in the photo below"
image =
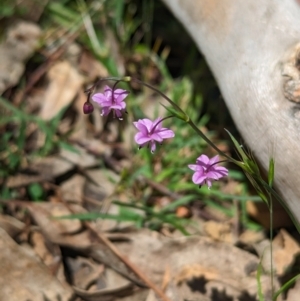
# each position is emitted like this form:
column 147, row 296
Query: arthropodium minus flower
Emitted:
column 207, row 170
column 111, row 100
column 88, row 108
column 151, row 132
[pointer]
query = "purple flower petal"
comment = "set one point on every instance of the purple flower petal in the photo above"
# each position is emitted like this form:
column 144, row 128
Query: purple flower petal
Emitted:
column 141, row 127
column 152, row 146
column 222, row 170
column 148, row 124
column 198, row 178
column 140, row 138
column 196, row 167
column 203, row 160
column 100, row 98
column 120, row 95
column 213, row 160
column 156, row 137
column 213, row 175
column 207, row 170
column 208, row 182
column 118, row 114
column 111, row 100
column 157, row 123
column 166, row 133
column 151, row 131
column 105, row 111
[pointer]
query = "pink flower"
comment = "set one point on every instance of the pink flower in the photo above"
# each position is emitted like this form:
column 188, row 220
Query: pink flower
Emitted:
column 151, row 132
column 207, row 170
column 111, row 100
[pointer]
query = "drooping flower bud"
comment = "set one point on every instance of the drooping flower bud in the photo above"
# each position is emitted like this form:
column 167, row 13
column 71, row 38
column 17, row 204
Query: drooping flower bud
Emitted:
column 88, row 108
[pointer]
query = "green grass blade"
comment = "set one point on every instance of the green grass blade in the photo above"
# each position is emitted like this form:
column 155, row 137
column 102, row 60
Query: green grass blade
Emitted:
column 259, row 287
column 284, row 288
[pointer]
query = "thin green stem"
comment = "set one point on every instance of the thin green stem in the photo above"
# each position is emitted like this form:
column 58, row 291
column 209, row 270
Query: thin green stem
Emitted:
column 160, row 121
column 282, row 203
column 209, row 142
column 113, row 91
column 271, row 243
column 159, row 92
column 102, row 80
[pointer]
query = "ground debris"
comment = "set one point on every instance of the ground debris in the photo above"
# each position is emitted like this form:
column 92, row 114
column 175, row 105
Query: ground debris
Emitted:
column 26, row 278
column 20, row 43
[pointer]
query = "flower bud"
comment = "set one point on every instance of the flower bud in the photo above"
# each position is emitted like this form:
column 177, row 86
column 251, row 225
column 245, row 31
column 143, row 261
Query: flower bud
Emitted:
column 88, row 108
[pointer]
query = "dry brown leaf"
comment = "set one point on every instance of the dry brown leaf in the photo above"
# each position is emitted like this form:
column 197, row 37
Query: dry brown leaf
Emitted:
column 137, row 295
column 57, row 230
column 194, row 258
column 101, row 253
column 250, row 237
column 79, row 157
column 23, row 179
column 219, row 231
column 91, row 67
column 107, row 182
column 151, row 296
column 42, row 169
column 52, row 211
column 263, row 250
column 261, row 213
column 285, row 250
column 84, row 271
column 64, row 84
column 184, row 292
column 49, row 253
column 26, row 278
column 19, row 45
column 11, row 225
column 115, row 286
column 72, row 189
column 196, row 271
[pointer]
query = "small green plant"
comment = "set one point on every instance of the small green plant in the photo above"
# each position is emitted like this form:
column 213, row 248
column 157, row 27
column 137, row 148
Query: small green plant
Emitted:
column 13, row 152
column 36, row 191
column 138, row 215
column 11, row 8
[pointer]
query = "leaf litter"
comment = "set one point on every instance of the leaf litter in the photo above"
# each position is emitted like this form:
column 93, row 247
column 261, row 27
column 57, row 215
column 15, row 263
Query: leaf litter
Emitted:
column 46, row 257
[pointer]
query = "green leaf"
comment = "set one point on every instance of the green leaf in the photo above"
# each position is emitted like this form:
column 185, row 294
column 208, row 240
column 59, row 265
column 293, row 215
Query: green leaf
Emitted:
column 238, row 147
column 285, row 287
column 271, row 172
column 176, row 112
column 35, row 191
column 259, row 286
column 259, row 191
column 5, row 193
column 179, row 202
column 97, row 215
column 68, row 147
